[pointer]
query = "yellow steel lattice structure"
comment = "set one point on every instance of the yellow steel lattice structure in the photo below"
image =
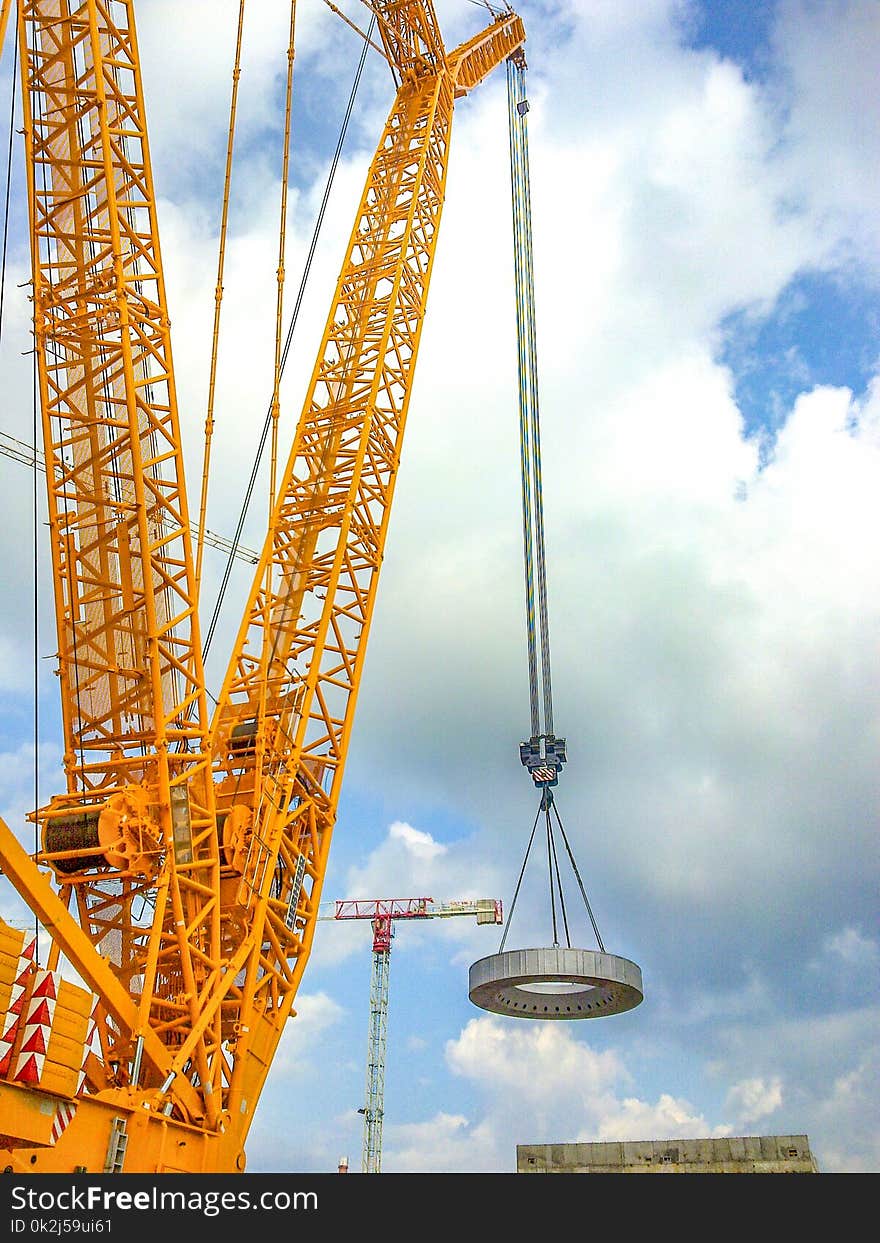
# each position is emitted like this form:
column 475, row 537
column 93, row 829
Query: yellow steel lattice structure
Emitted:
column 189, row 854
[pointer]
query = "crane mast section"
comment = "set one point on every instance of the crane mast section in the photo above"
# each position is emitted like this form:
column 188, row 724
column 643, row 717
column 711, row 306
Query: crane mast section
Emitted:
column 488, row 909
column 129, row 655
column 374, row 1111
column 133, row 839
column 411, row 36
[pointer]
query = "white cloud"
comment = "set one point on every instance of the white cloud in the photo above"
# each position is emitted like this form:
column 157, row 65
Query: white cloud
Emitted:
column 495, row 1052
column 633, row 1119
column 416, row 843
column 187, row 56
column 314, row 1014
column 410, row 863
column 849, row 1140
column 753, row 1099
column 852, row 947
column 445, row 1143
column 713, row 625
column 535, row 1083
column 833, row 130
column 848, row 966
column 828, row 1065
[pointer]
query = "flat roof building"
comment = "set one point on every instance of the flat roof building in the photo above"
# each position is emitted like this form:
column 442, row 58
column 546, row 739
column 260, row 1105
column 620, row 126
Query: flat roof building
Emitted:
column 746, row 1154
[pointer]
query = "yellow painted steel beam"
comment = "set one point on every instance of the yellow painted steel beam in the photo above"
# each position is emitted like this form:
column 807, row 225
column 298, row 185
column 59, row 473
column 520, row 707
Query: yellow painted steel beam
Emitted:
column 94, row 970
column 5, row 10
column 36, row 1141
column 211, row 932
column 475, row 59
column 128, row 641
column 410, row 35
column 129, row 651
column 284, row 716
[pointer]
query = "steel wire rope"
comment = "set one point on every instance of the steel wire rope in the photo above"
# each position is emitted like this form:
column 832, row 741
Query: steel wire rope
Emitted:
column 534, row 548
column 36, row 595
column 116, row 469
column 524, row 425
column 530, row 438
column 280, row 365
column 558, row 884
column 58, row 357
column 267, row 655
column 578, row 877
column 550, row 873
column 519, row 883
column 36, row 602
column 540, row 553
column 218, row 299
column 9, row 170
column 36, row 711
column 292, row 324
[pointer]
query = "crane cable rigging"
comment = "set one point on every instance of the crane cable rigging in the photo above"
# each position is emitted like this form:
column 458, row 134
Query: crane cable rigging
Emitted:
column 218, row 298
column 544, row 754
column 553, row 982
column 35, row 421
column 191, row 1000
column 249, row 490
column 8, row 174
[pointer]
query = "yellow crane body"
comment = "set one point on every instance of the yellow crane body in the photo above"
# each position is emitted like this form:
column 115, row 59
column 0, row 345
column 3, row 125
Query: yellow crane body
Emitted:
column 180, row 871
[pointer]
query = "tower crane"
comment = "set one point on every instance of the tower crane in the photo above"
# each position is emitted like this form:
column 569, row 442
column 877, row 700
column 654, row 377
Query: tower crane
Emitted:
column 382, row 912
column 179, row 871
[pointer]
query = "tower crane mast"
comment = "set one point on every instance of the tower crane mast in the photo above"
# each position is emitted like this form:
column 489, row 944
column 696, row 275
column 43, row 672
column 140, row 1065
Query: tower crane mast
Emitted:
column 382, row 912
column 180, row 870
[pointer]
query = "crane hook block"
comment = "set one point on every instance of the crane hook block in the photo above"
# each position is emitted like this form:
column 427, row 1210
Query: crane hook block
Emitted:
column 543, row 756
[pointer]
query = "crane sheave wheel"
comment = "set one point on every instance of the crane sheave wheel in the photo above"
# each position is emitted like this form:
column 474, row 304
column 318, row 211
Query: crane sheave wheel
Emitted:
column 555, row 983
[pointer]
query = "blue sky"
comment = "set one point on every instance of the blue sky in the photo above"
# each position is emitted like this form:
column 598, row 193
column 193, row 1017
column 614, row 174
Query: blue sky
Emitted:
column 707, row 260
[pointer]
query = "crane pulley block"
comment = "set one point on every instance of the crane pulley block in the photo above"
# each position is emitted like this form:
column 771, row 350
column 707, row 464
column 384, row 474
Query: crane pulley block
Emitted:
column 543, row 756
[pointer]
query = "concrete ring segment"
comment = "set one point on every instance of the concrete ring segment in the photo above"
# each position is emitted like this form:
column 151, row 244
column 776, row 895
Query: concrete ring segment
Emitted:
column 555, row 983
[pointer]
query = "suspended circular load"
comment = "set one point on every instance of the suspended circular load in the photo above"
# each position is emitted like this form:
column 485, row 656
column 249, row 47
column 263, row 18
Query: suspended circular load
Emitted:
column 555, row 982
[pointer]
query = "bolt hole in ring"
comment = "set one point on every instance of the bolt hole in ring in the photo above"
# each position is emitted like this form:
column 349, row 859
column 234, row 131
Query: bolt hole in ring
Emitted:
column 555, row 983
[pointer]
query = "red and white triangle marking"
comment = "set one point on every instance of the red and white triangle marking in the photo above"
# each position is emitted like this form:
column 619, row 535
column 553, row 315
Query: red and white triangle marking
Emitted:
column 87, row 1047
column 12, row 1018
column 37, row 1028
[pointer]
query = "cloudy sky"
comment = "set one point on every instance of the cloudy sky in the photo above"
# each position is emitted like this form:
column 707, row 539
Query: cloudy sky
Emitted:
column 707, row 266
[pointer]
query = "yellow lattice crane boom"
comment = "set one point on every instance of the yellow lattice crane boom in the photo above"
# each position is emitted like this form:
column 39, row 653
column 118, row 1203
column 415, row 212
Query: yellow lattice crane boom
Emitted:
column 187, row 852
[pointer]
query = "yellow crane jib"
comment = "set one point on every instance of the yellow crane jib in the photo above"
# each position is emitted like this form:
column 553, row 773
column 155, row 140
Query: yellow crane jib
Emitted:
column 188, row 849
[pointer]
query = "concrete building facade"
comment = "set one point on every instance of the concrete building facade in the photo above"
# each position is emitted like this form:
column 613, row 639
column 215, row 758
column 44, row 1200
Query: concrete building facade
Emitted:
column 747, row 1154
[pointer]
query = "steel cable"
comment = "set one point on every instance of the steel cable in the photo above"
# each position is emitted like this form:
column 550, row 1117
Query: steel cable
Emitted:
column 534, row 552
column 293, row 318
column 8, row 173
